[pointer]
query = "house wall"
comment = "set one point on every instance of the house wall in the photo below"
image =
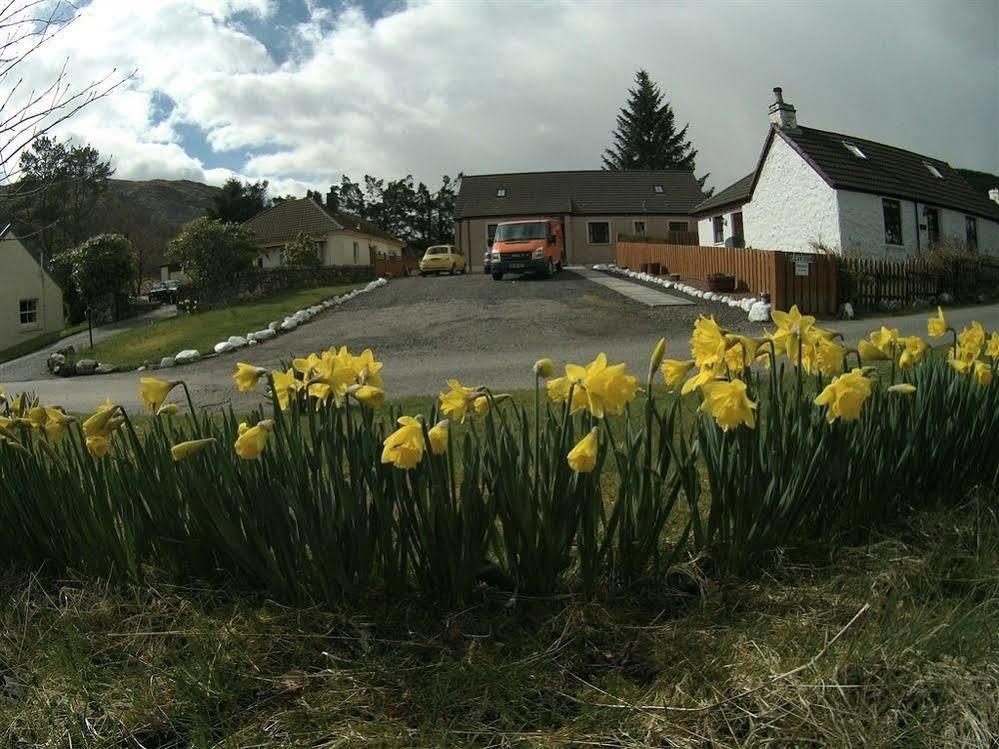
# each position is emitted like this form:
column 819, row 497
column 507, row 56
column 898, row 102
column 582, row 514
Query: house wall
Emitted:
column 862, row 229
column 23, row 278
column 471, row 234
column 338, row 249
column 706, row 231
column 171, row 275
column 792, row 206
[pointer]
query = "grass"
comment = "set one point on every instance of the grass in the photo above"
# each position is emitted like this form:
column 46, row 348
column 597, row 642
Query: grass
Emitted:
column 740, row 663
column 202, row 330
column 39, row 342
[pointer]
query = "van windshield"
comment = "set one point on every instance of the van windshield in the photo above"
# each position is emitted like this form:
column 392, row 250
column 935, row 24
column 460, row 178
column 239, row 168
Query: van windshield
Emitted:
column 517, row 232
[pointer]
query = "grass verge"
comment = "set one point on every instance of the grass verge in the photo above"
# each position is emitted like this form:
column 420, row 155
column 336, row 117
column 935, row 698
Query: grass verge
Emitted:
column 202, row 330
column 39, row 342
column 744, row 663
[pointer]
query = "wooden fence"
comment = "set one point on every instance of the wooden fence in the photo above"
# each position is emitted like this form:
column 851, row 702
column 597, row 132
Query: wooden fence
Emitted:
column 872, row 284
column 811, row 282
column 394, row 267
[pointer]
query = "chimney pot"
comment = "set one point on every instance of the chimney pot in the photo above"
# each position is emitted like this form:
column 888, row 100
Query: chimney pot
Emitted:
column 332, row 200
column 783, row 114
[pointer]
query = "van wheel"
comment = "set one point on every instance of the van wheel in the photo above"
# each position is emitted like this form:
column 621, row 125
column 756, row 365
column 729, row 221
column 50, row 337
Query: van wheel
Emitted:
column 497, row 276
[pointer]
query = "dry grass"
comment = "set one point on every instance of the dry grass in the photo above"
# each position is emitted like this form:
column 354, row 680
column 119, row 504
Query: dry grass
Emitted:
column 745, row 663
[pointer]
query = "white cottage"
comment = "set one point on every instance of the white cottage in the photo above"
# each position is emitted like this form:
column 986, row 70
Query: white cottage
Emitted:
column 814, row 189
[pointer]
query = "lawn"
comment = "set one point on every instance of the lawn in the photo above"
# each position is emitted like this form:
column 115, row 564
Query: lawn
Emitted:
column 39, row 342
column 779, row 660
column 203, row 330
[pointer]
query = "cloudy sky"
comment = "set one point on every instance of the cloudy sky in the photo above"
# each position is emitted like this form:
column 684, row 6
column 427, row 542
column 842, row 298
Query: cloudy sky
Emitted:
column 301, row 91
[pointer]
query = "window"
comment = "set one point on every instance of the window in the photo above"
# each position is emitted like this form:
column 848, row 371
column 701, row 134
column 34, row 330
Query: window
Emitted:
column 677, row 226
column 501, row 193
column 718, row 224
column 854, row 149
column 280, row 257
column 598, row 232
column 971, row 232
column 737, row 232
column 657, row 189
column 933, row 170
column 893, row 221
column 260, row 261
column 29, row 311
column 523, row 230
column 639, row 227
column 932, row 225
column 357, row 253
column 490, row 234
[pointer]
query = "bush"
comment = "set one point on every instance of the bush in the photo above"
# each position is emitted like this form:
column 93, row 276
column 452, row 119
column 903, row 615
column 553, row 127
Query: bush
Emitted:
column 302, row 252
column 102, row 269
column 211, row 251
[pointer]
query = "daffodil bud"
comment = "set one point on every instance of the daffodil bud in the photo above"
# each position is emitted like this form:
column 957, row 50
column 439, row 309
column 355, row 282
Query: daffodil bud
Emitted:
column 657, row 356
column 544, row 368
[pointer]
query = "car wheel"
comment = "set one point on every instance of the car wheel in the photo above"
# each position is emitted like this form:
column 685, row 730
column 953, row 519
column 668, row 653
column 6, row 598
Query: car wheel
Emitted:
column 497, row 276
column 451, row 272
column 422, row 274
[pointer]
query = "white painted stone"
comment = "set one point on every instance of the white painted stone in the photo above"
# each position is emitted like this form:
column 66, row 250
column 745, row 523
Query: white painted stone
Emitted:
column 224, row 347
column 760, row 312
column 264, row 335
column 237, row 341
column 273, row 326
column 289, row 324
column 166, row 362
column 187, row 356
column 251, row 343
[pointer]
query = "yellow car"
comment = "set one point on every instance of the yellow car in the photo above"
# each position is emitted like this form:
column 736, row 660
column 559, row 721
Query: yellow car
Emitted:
column 442, row 258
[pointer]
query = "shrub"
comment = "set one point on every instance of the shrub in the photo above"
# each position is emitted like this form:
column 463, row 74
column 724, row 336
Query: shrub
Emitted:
column 302, row 252
column 210, row 251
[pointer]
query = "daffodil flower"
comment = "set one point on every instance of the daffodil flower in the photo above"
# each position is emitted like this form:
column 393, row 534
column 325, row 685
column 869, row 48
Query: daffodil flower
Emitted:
column 98, row 446
column 707, row 343
column 982, row 373
column 454, row 403
column 583, row 457
column 937, row 326
column 185, row 450
column 674, row 372
column 728, row 403
column 404, row 447
column 252, row 440
column 154, row 392
column 247, row 376
column 168, row 409
column 544, row 368
column 370, row 396
column 903, row 388
column 438, row 437
column 845, row 395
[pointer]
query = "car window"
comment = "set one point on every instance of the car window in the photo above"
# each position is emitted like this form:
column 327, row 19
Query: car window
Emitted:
column 437, row 251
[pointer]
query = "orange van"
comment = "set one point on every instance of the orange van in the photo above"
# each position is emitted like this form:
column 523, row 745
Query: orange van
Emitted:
column 534, row 245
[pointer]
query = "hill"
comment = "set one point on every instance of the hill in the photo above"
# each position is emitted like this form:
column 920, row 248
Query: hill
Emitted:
column 150, row 213
column 981, row 181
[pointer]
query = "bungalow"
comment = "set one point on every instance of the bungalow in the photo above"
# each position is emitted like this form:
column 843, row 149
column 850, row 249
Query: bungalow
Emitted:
column 595, row 205
column 30, row 299
column 344, row 239
column 814, row 190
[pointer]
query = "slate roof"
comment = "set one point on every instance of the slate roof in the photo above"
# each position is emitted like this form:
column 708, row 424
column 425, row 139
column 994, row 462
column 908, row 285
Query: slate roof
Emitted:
column 282, row 222
column 595, row 192
column 735, row 194
column 886, row 170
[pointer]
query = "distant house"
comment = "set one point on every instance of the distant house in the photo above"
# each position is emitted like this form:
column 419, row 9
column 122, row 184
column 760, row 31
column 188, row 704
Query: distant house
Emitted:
column 30, row 299
column 595, row 205
column 847, row 194
column 344, row 239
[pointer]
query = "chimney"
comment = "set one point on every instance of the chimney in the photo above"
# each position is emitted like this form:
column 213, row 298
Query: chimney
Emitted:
column 332, row 201
column 994, row 194
column 781, row 113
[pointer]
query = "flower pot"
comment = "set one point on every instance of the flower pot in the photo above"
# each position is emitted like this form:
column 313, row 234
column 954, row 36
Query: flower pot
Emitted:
column 721, row 282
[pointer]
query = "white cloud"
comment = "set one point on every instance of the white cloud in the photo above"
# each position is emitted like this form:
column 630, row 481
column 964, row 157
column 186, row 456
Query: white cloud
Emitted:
column 442, row 87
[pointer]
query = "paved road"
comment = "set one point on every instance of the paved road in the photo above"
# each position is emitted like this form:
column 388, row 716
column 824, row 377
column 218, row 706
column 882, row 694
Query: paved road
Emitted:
column 32, row 366
column 471, row 327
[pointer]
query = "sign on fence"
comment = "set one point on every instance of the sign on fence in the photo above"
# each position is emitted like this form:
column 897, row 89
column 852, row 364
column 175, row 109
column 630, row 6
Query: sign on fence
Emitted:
column 802, row 263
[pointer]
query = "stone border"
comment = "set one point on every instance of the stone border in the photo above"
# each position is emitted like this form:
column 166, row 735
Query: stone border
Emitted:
column 757, row 309
column 57, row 363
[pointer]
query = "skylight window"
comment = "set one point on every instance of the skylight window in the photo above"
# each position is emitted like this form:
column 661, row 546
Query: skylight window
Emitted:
column 658, row 189
column 933, row 170
column 501, row 193
column 854, row 149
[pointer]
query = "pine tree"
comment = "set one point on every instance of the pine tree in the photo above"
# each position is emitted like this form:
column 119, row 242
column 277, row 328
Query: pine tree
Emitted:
column 646, row 136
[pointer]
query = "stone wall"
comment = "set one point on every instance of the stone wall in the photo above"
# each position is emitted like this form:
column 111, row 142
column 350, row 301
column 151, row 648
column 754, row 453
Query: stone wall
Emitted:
column 263, row 282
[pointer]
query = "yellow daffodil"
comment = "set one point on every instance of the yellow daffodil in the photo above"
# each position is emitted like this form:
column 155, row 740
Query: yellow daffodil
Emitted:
column 829, row 357
column 706, row 375
column 185, row 450
column 558, row 390
column 168, row 409
column 366, row 370
column 481, row 405
column 597, row 387
column 903, row 388
column 242, row 428
column 793, row 331
column 707, row 343
column 937, row 326
column 972, row 338
column 962, row 359
column 675, row 371
column 370, row 396
column 306, row 365
column 404, row 447
column 286, row 386
column 334, row 374
column 56, row 423
column 252, row 440
column 845, row 395
column 992, row 347
column 657, row 357
column 247, row 376
column 544, row 368
column 455, row 402
column 982, row 373
column 438, row 437
column 154, row 392
column 98, row 446
column 885, row 339
column 736, row 360
column 583, row 457
column 728, row 403
column 100, row 424
column 914, row 351
column 869, row 352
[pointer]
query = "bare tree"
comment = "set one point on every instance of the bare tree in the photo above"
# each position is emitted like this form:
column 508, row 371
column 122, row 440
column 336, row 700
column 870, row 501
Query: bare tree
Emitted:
column 28, row 112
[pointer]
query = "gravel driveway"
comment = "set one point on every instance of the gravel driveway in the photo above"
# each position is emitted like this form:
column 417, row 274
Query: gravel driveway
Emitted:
column 429, row 329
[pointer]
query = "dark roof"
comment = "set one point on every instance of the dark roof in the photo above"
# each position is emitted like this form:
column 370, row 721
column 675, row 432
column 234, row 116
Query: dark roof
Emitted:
column 886, row 170
column 282, row 222
column 735, row 194
column 593, row 192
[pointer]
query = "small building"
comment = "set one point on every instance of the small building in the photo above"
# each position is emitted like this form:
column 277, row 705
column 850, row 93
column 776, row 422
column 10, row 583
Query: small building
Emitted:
column 30, row 299
column 815, row 190
column 595, row 205
column 343, row 239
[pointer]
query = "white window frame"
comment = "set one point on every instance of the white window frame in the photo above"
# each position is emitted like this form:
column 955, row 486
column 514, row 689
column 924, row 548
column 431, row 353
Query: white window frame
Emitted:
column 31, row 311
column 501, row 192
column 932, row 169
column 636, row 230
column 657, row 189
column 714, row 229
column 589, row 234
